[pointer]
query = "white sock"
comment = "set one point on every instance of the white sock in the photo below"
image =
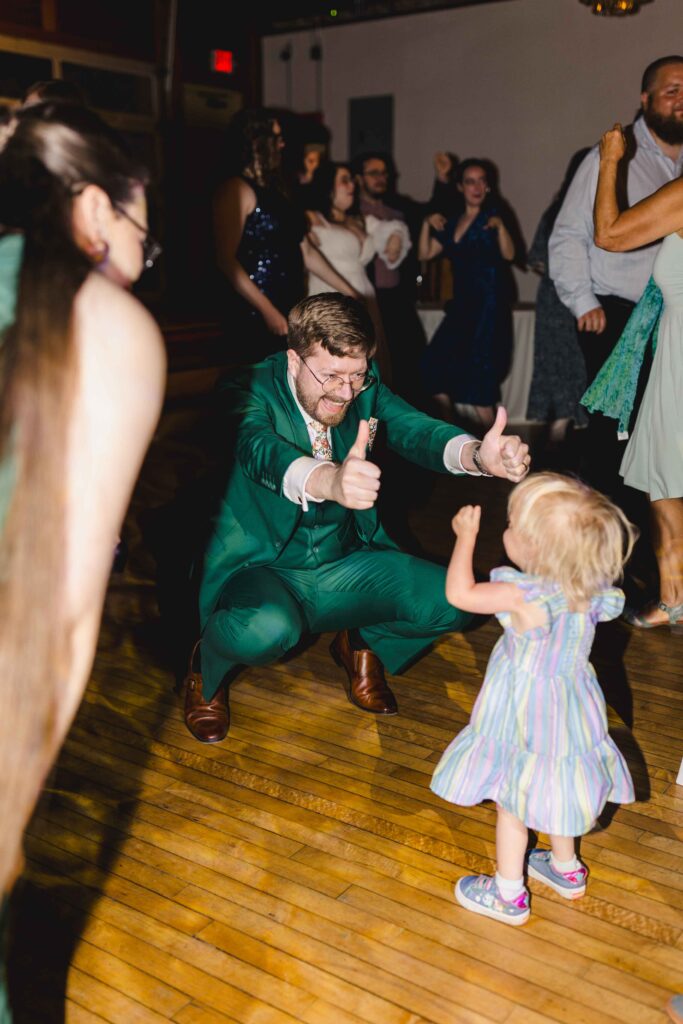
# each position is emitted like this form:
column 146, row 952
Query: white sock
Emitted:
column 564, row 866
column 508, row 888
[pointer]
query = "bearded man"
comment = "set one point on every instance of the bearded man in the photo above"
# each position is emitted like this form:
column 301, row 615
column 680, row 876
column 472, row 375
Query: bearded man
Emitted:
column 297, row 545
column 601, row 288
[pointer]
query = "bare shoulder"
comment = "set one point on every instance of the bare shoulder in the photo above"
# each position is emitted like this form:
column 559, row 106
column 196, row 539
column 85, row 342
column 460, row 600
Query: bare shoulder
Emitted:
column 113, row 324
column 236, row 192
column 110, row 312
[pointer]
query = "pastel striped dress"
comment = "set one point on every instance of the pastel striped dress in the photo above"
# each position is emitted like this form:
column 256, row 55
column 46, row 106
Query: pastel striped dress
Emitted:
column 537, row 741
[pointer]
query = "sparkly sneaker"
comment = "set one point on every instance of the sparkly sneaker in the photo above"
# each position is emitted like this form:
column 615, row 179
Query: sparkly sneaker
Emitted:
column 480, row 894
column 570, row 884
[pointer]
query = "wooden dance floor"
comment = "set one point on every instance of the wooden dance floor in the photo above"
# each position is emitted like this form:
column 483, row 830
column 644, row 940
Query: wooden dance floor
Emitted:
column 302, row 871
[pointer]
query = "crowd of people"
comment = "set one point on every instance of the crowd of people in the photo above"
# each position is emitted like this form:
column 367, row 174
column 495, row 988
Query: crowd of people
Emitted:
column 319, row 295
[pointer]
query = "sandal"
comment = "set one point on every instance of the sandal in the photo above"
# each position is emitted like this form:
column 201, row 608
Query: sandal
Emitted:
column 674, row 612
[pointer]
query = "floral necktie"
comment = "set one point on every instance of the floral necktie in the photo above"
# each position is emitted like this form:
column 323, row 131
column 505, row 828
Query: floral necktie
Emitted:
column 321, row 444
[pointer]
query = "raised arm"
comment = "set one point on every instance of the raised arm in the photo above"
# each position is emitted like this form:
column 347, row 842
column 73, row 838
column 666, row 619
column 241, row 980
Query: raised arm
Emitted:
column 505, row 243
column 462, row 590
column 428, row 247
column 649, row 220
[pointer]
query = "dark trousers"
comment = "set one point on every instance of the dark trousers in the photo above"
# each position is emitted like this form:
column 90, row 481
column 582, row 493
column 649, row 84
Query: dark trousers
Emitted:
column 603, row 451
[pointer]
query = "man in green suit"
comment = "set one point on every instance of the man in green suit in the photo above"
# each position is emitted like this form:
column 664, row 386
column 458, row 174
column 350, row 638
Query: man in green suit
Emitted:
column 297, row 545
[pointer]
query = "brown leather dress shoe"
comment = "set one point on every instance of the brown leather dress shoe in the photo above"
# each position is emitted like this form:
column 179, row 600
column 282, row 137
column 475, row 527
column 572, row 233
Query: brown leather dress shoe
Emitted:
column 368, row 687
column 207, row 720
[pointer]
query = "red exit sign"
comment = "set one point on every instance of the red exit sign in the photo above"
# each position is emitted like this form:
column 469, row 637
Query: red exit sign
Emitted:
column 223, row 61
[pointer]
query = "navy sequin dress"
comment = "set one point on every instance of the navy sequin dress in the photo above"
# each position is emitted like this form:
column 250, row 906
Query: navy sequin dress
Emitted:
column 469, row 355
column 270, row 252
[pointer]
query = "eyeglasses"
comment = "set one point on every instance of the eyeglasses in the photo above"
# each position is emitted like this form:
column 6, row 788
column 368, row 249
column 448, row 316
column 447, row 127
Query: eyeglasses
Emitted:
column 358, row 382
column 151, row 249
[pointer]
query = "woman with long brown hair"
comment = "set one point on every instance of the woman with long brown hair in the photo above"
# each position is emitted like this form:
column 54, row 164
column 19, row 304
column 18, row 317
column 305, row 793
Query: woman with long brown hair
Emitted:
column 261, row 245
column 81, row 378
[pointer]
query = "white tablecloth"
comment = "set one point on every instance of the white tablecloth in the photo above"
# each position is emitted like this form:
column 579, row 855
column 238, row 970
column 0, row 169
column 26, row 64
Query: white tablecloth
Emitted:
column 515, row 387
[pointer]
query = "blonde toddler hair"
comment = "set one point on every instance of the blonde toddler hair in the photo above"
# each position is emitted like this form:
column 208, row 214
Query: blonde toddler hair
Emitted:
column 576, row 536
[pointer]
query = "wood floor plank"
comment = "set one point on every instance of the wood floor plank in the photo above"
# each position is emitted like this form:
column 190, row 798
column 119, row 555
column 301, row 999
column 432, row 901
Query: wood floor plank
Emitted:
column 337, row 949
column 75, row 1014
column 110, row 1003
column 194, row 1014
column 375, row 1002
column 109, row 969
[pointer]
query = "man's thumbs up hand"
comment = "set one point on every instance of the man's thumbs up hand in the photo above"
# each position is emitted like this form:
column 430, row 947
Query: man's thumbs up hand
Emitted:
column 359, row 448
column 503, row 455
column 356, row 482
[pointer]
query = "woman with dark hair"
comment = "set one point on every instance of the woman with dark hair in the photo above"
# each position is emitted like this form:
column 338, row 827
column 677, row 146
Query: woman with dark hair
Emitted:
column 82, row 378
column 470, row 351
column 261, row 242
column 559, row 375
column 350, row 241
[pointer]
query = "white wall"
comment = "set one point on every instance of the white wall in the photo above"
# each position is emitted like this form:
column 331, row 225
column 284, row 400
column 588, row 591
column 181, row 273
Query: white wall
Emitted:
column 524, row 82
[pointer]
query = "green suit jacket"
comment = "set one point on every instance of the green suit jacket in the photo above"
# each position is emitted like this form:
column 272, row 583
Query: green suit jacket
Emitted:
column 254, row 519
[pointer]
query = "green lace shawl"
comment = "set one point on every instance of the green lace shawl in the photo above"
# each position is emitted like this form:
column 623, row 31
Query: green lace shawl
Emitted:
column 613, row 392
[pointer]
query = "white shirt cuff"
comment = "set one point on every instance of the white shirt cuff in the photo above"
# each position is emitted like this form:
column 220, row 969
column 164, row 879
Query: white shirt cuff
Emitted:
column 296, row 478
column 452, row 453
column 584, row 304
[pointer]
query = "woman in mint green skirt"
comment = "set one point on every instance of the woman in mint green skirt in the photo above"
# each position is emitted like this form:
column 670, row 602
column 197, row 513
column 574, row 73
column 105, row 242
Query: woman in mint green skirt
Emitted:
column 653, row 461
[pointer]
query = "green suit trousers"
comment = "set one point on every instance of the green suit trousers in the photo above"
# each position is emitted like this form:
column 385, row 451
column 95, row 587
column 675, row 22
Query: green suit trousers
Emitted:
column 397, row 602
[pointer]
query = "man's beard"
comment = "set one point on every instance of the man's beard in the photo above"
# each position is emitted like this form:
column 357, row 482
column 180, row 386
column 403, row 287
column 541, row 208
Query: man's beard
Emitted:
column 310, row 405
column 668, row 129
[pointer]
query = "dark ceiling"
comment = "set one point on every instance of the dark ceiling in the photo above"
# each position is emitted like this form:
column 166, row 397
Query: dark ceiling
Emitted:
column 285, row 17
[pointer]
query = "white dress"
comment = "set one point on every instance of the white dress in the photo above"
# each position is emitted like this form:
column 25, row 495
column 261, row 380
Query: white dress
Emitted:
column 343, row 249
column 653, row 460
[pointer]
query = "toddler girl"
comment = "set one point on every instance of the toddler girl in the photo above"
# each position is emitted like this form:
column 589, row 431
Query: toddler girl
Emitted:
column 537, row 741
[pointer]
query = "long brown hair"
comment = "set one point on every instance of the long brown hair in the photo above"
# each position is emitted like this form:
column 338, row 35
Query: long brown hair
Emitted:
column 50, row 151
column 252, row 147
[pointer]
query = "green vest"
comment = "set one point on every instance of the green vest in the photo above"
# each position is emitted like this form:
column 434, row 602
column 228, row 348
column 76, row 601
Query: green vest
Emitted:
column 326, row 532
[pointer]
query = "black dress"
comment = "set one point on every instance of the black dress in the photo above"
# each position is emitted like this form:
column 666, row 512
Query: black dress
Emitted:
column 469, row 354
column 270, row 253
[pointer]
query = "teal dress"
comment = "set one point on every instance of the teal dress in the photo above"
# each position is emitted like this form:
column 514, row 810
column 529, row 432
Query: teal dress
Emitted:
column 11, row 251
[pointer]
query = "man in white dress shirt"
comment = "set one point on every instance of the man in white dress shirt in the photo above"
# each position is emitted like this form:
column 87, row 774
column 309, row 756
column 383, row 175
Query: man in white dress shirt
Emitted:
column 599, row 287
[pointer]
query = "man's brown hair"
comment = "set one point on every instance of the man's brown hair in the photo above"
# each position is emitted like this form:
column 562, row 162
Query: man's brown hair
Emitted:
column 341, row 325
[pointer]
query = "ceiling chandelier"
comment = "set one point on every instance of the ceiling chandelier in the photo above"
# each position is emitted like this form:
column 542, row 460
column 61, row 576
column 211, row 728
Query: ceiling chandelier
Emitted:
column 615, row 7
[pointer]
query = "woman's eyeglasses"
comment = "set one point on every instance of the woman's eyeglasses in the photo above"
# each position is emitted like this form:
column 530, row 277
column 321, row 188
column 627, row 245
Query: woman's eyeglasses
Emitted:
column 151, row 249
